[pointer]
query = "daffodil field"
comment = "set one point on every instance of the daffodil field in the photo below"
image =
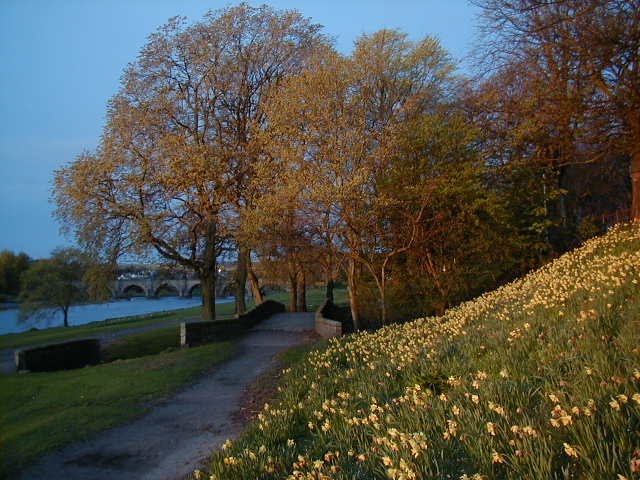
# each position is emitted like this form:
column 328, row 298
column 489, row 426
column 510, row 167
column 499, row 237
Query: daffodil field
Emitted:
column 539, row 379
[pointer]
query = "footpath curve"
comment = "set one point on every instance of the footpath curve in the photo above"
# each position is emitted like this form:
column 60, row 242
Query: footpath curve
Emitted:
column 174, row 438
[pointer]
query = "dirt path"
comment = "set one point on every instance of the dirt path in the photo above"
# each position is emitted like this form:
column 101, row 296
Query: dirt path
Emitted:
column 170, row 442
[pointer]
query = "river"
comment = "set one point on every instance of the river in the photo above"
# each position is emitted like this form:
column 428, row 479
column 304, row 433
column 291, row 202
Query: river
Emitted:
column 81, row 314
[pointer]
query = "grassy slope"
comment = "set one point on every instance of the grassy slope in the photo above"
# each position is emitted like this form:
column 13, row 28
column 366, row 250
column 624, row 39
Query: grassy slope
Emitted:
column 538, row 379
column 43, row 411
column 147, row 343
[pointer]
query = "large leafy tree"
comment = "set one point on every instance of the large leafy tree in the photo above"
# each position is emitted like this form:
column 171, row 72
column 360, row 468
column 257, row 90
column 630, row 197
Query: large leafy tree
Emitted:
column 54, row 284
column 567, row 72
column 172, row 172
column 332, row 128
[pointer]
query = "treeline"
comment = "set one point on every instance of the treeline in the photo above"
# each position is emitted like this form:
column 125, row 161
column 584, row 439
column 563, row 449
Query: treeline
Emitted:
column 12, row 266
column 46, row 286
column 247, row 135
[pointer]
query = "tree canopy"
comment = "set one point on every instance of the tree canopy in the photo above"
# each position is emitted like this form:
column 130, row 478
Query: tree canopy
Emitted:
column 12, row 266
column 248, row 136
column 567, row 75
column 171, row 172
column 54, row 284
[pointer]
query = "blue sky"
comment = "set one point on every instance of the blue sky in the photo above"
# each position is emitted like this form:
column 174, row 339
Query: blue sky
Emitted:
column 62, row 61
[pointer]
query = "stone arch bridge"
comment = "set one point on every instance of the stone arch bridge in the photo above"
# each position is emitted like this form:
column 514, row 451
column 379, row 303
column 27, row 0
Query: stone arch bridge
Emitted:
column 151, row 286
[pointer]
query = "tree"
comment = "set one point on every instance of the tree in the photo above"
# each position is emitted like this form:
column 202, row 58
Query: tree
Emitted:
column 53, row 284
column 172, row 171
column 581, row 63
column 11, row 268
column 279, row 233
column 330, row 128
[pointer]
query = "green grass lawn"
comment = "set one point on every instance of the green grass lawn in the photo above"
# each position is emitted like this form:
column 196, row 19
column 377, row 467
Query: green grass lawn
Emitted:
column 152, row 342
column 44, row 411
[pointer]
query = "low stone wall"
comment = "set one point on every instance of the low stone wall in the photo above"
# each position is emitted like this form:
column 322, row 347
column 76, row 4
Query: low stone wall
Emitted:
column 325, row 327
column 199, row 333
column 59, row 356
column 262, row 312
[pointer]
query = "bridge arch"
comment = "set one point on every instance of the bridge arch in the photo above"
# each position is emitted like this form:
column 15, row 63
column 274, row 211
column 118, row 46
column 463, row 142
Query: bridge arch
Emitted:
column 166, row 289
column 196, row 287
column 134, row 290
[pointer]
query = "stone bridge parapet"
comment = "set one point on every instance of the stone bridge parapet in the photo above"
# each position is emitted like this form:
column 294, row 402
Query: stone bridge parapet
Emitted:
column 151, row 286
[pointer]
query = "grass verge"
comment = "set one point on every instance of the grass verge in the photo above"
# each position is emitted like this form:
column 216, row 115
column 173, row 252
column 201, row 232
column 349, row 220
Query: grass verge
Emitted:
column 153, row 342
column 44, row 411
column 267, row 387
column 50, row 335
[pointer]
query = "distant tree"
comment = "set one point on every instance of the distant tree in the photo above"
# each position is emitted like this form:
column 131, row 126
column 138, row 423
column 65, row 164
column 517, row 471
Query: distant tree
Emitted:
column 11, row 268
column 97, row 279
column 54, row 284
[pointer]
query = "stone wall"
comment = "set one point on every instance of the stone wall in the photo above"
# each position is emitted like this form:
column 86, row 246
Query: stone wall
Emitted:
column 59, row 356
column 325, row 327
column 198, row 333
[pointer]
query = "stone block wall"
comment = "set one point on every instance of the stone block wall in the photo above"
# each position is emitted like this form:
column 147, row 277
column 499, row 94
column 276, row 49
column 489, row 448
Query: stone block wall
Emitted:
column 325, row 327
column 199, row 333
column 59, row 356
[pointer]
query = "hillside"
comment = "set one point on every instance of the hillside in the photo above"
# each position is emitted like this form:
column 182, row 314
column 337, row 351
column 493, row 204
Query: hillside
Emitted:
column 538, row 379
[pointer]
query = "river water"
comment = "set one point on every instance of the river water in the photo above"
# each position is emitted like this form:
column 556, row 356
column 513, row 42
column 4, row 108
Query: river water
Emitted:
column 81, row 314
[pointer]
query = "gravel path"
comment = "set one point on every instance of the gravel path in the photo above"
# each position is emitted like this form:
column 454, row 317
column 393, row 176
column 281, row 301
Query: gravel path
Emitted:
column 176, row 436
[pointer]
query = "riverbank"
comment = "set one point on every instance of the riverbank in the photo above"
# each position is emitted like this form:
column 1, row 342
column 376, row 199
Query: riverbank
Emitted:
column 100, row 312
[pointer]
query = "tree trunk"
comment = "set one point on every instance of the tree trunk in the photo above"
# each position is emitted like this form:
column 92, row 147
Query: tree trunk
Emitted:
column 383, row 298
column 208, row 286
column 329, row 276
column 241, row 280
column 293, row 293
column 562, row 200
column 381, row 285
column 329, row 286
column 352, row 282
column 209, row 273
column 65, row 312
column 254, row 285
column 302, row 292
column 635, row 187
